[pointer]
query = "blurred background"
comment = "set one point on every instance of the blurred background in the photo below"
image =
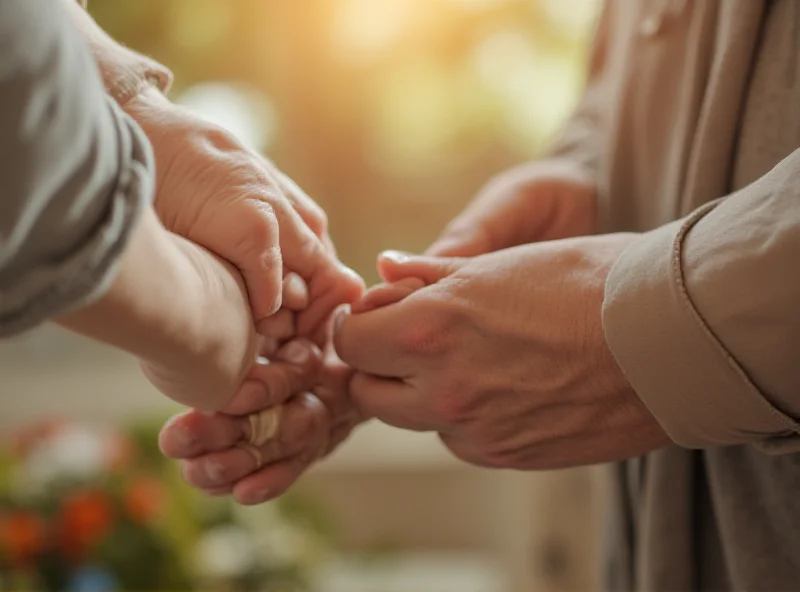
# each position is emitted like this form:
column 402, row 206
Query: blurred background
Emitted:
column 391, row 114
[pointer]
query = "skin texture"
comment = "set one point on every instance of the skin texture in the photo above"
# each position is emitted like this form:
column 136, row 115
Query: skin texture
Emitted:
column 411, row 338
column 504, row 356
column 216, row 193
column 182, row 311
column 313, row 423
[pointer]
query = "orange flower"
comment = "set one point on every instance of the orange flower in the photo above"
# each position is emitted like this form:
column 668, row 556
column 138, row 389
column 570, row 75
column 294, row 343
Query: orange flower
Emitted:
column 23, row 535
column 86, row 518
column 144, row 500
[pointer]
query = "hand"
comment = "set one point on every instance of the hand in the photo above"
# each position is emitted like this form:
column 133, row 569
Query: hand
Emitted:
column 212, row 449
column 313, row 425
column 531, row 203
column 210, row 364
column 504, row 356
column 214, row 192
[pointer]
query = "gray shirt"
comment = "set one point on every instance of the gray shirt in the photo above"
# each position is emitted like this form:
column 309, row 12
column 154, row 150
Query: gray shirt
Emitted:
column 75, row 170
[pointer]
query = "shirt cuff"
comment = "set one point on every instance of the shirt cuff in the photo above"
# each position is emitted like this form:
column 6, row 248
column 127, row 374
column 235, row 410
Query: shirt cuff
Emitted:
column 694, row 387
column 52, row 289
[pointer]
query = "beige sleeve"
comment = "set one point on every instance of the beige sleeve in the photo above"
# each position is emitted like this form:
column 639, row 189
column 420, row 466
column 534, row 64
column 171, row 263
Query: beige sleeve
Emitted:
column 703, row 315
column 580, row 142
column 76, row 172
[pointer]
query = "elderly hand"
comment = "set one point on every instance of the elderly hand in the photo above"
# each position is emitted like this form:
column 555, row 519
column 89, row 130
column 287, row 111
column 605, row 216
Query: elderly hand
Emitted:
column 504, row 356
column 534, row 202
column 222, row 454
column 217, row 457
column 213, row 191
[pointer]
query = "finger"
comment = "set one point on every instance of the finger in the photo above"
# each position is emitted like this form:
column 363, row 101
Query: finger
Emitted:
column 295, row 292
column 272, row 481
column 218, row 491
column 310, row 211
column 393, row 402
column 339, row 434
column 334, row 386
column 395, row 266
column 279, row 327
column 328, row 289
column 305, row 423
column 329, row 282
column 193, row 433
column 386, row 341
column 296, row 368
column 386, row 294
column 247, row 235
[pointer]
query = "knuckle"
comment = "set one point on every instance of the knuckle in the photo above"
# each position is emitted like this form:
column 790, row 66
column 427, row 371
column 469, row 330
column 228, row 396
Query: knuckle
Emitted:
column 259, row 229
column 220, row 139
column 433, row 333
column 452, row 403
column 311, row 249
column 317, row 220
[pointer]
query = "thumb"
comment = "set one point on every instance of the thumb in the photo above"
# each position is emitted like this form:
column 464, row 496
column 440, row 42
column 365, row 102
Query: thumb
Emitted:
column 395, row 266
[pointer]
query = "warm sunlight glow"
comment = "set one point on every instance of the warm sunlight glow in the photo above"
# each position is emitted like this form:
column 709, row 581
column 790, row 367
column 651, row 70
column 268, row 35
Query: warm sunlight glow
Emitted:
column 363, row 29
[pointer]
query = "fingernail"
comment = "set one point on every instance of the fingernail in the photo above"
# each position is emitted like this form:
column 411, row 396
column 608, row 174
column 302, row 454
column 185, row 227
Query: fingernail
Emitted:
column 295, row 284
column 349, row 271
column 178, row 433
column 257, row 497
column 396, row 256
column 296, row 352
column 340, row 316
column 213, row 471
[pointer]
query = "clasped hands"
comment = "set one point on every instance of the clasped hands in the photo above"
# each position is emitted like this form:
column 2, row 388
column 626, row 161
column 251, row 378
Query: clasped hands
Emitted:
column 493, row 339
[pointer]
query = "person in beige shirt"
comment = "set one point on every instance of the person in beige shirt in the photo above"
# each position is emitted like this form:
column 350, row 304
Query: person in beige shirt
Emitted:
column 666, row 342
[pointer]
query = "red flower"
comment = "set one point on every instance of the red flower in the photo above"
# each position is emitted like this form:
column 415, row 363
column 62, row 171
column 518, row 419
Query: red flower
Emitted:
column 144, row 500
column 23, row 535
column 86, row 518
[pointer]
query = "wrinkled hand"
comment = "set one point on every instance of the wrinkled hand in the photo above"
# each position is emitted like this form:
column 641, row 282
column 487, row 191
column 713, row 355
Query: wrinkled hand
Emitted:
column 314, row 422
column 534, row 202
column 504, row 356
column 213, row 191
column 316, row 417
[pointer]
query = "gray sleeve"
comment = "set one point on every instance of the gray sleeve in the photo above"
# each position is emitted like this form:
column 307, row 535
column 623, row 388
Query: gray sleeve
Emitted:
column 75, row 171
column 702, row 315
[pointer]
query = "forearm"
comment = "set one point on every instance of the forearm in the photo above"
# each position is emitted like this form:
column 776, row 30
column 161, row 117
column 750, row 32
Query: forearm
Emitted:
column 147, row 309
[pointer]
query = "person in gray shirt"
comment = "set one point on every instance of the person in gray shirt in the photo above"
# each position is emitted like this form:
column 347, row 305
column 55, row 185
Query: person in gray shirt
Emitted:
column 175, row 263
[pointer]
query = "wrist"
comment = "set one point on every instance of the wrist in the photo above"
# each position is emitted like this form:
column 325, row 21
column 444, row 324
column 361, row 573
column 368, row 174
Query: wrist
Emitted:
column 125, row 73
column 147, row 310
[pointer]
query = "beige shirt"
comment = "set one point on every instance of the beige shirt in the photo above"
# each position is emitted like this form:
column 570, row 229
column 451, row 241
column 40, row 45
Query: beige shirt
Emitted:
column 691, row 126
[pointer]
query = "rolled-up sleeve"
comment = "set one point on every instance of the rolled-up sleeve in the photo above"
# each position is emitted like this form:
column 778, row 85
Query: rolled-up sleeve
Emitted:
column 703, row 316
column 75, row 171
